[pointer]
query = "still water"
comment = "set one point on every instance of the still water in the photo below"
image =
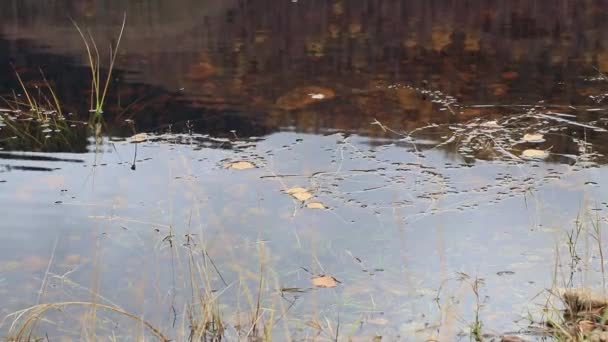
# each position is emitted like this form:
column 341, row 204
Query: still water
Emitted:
column 435, row 143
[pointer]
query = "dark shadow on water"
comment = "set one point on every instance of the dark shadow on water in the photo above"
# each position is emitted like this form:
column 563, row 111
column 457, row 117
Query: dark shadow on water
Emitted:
column 45, row 158
column 26, row 168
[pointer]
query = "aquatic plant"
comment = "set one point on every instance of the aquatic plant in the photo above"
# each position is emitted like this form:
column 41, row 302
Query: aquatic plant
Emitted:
column 99, row 84
column 34, row 120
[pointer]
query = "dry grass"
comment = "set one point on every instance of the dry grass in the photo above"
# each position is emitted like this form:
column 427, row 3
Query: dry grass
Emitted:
column 25, row 320
column 198, row 318
column 573, row 311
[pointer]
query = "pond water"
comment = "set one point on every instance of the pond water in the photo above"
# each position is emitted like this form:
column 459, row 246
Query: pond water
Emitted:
column 312, row 170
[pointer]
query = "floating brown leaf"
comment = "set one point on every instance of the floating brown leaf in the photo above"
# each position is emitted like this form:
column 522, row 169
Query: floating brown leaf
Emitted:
column 325, row 281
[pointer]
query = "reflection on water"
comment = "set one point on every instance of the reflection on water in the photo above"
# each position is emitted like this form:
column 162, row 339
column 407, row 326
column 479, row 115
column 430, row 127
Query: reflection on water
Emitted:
column 392, row 145
column 243, row 57
column 398, row 226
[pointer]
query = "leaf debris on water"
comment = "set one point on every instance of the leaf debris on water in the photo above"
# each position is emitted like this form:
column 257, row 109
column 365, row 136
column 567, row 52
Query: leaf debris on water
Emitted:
column 325, row 281
column 534, row 153
column 240, row 165
column 534, row 138
column 301, row 194
column 315, row 205
column 139, row 137
column 294, row 190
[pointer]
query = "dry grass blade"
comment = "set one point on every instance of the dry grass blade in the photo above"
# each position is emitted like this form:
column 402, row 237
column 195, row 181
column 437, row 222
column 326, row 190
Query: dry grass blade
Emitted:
column 53, row 95
column 30, row 101
column 32, row 314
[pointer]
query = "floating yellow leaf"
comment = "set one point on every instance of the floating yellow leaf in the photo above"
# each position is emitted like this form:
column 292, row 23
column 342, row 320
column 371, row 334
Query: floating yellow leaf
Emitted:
column 300, row 194
column 534, row 138
column 315, row 205
column 240, row 165
column 292, row 191
column 534, row 153
column 325, row 281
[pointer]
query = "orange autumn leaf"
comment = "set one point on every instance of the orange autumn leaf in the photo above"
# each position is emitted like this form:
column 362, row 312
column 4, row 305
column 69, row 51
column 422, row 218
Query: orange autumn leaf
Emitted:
column 325, row 281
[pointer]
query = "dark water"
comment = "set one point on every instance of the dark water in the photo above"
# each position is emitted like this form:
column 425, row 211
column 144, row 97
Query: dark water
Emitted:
column 443, row 138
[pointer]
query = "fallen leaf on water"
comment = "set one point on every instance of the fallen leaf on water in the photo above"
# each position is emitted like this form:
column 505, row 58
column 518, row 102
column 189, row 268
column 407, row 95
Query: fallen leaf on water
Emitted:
column 534, row 153
column 315, row 205
column 292, row 191
column 240, row 165
column 139, row 137
column 325, row 281
column 534, row 138
column 300, row 194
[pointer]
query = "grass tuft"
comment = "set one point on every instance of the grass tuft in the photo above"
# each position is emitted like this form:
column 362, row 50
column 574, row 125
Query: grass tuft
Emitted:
column 99, row 84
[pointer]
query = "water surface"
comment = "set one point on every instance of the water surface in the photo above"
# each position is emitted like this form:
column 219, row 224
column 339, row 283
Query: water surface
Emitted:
column 445, row 141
